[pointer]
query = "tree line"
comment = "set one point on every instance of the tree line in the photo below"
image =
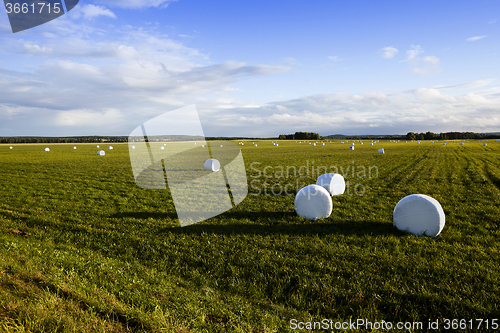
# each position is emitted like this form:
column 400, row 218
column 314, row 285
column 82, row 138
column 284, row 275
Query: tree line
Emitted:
column 300, row 136
column 82, row 139
column 451, row 136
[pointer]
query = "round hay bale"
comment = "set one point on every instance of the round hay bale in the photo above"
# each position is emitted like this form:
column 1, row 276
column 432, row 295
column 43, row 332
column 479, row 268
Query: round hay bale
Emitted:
column 47, row 149
column 212, row 165
column 351, row 147
column 97, row 146
column 74, row 147
column 255, row 145
column 371, row 144
column 314, row 145
column 11, row 147
column 381, row 151
column 202, row 146
column 484, row 144
column 334, row 183
column 101, row 153
column 110, row 147
column 419, row 214
column 313, row 202
column 220, row 146
column 162, row 147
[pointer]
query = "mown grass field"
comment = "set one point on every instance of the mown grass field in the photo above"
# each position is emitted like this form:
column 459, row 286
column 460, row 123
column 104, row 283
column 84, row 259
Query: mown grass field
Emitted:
column 83, row 249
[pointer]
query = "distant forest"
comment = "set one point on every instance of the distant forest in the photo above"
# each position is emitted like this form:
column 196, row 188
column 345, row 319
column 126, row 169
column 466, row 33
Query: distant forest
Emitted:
column 106, row 139
column 296, row 136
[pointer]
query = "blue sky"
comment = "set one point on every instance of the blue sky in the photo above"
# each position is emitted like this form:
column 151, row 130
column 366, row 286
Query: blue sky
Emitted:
column 255, row 68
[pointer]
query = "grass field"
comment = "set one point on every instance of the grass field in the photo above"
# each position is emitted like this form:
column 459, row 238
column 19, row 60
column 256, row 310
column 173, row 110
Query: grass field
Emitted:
column 83, row 249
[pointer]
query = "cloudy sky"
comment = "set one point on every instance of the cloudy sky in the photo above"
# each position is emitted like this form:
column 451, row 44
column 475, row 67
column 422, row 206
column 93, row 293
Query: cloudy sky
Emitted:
column 255, row 68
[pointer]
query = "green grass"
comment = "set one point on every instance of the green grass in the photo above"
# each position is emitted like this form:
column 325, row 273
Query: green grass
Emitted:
column 104, row 255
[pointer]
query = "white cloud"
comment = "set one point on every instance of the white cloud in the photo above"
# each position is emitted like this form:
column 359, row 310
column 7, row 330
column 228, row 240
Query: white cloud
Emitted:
column 335, row 58
column 431, row 60
column 425, row 66
column 91, row 11
column 135, row 3
column 492, row 22
column 87, row 118
column 413, row 52
column 388, row 52
column 473, row 39
column 469, row 85
column 35, row 48
column 421, row 110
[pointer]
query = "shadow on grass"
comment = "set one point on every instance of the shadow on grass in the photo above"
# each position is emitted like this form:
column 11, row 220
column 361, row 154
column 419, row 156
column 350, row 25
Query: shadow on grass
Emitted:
column 358, row 228
column 268, row 223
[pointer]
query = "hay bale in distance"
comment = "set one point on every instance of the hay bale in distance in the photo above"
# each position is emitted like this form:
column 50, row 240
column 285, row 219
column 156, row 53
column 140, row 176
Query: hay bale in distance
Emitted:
column 47, row 149
column 419, row 214
column 313, row 202
column 351, row 147
column 110, row 147
column 212, row 165
column 334, row 183
column 101, row 153
column 381, row 151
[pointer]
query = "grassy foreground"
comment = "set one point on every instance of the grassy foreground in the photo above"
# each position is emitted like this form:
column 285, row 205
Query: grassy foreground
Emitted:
column 83, row 249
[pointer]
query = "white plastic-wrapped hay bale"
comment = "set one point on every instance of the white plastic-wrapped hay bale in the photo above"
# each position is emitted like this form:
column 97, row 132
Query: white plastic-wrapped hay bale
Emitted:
column 212, row 165
column 381, row 151
column 484, row 144
column 461, row 143
column 220, row 146
column 371, row 144
column 352, row 144
column 47, row 149
column 162, row 147
column 195, row 143
column 314, row 144
column 277, row 145
column 132, row 147
column 323, row 144
column 101, row 153
column 110, row 147
column 255, row 145
column 334, row 183
column 444, row 143
column 97, row 146
column 202, row 146
column 351, row 147
column 419, row 214
column 11, row 147
column 313, row 202
column 74, row 147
